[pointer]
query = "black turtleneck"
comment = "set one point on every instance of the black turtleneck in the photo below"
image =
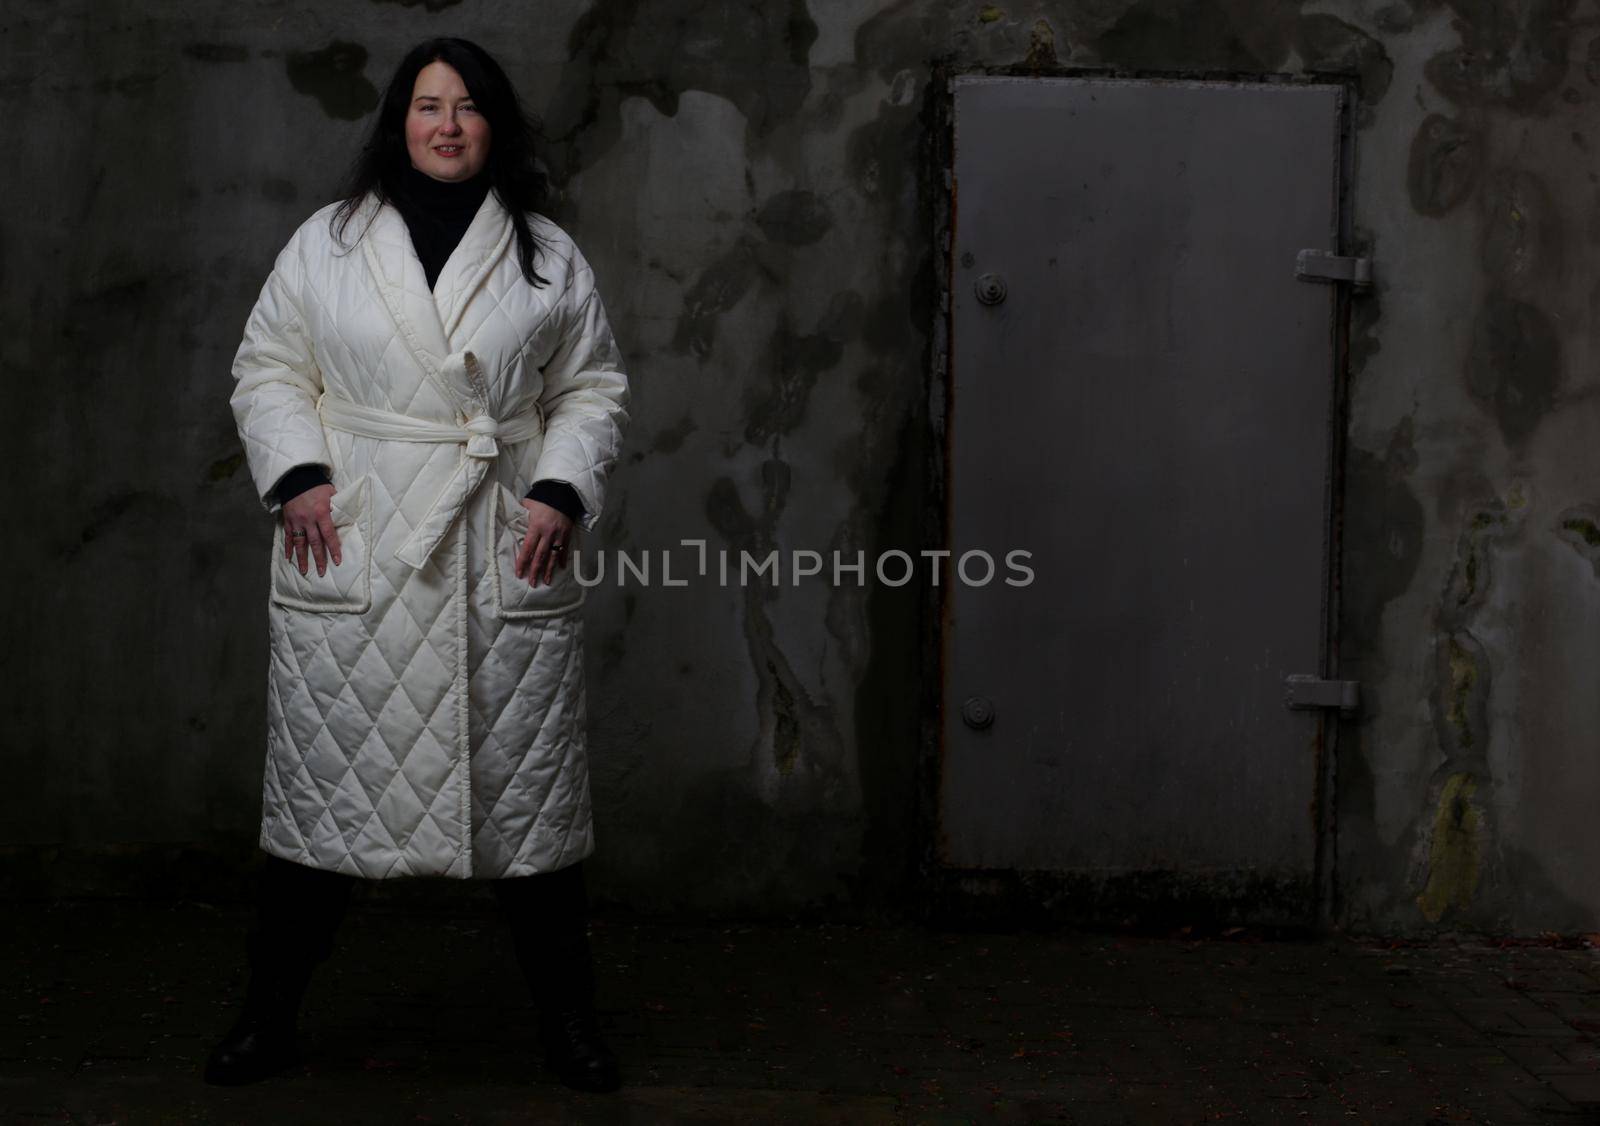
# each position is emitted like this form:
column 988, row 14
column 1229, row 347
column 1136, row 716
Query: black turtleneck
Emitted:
column 437, row 213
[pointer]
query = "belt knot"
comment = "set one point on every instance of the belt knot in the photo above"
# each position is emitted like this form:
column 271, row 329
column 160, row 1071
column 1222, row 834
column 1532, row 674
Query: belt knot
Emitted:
column 483, row 428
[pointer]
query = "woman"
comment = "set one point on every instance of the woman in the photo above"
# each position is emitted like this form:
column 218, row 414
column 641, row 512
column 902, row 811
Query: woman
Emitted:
column 430, row 399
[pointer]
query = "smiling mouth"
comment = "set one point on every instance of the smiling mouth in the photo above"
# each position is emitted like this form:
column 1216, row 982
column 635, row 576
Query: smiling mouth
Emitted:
column 448, row 150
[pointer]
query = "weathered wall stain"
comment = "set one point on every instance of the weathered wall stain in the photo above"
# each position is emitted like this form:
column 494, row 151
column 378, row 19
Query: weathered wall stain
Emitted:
column 113, row 513
column 279, row 190
column 796, row 218
column 1455, row 837
column 753, row 54
column 796, row 732
column 1395, row 18
column 1327, row 44
column 1462, row 710
column 1446, row 158
column 217, row 52
column 670, row 439
column 881, row 154
column 1472, row 571
column 332, row 75
column 1201, row 34
column 136, row 85
column 1041, row 47
column 793, row 363
column 785, row 725
column 1454, row 848
column 1384, row 524
column 1579, row 526
column 720, row 286
column 1511, row 55
column 1513, row 366
column 1247, row 36
column 225, row 467
column 1383, row 528
column 903, row 36
column 1522, row 233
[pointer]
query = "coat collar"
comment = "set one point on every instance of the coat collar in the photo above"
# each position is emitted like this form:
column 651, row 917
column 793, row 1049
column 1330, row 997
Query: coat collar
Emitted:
column 429, row 319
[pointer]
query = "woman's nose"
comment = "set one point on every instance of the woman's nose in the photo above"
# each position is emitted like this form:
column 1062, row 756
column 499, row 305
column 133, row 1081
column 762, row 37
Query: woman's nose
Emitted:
column 451, row 125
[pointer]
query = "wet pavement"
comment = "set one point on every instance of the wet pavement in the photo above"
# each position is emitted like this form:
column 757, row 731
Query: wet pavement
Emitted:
column 421, row 1016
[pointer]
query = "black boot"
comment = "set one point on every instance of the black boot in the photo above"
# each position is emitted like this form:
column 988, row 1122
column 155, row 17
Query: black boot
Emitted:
column 299, row 910
column 548, row 914
column 568, row 1028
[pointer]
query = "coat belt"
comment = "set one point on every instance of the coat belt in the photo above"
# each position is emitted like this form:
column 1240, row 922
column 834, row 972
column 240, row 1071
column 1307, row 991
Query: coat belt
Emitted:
column 480, row 432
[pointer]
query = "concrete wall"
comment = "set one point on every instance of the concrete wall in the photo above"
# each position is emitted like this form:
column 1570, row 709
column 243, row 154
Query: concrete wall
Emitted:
column 752, row 184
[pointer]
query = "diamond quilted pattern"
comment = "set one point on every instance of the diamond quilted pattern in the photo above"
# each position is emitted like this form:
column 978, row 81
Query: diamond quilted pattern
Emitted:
column 414, row 729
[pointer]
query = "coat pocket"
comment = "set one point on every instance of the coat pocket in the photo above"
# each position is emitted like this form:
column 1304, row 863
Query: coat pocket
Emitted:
column 513, row 596
column 346, row 587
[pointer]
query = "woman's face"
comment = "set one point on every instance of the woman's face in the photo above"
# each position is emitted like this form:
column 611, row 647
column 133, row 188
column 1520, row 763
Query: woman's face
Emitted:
column 445, row 134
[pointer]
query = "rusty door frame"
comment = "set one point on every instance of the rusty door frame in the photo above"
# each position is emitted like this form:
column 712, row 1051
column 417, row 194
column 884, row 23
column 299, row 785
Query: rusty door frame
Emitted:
column 965, row 895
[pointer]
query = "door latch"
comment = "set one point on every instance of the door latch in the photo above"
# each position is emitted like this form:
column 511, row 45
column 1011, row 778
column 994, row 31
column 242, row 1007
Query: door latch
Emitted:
column 1302, row 692
column 1319, row 265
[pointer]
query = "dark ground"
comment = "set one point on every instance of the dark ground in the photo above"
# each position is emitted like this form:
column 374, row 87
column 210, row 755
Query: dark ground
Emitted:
column 421, row 1017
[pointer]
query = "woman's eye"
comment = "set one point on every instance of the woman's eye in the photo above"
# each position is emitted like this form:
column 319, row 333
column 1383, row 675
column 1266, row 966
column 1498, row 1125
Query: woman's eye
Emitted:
column 469, row 107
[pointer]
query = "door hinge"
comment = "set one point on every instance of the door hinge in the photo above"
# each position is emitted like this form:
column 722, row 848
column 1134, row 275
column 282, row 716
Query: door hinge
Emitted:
column 1303, row 692
column 1319, row 265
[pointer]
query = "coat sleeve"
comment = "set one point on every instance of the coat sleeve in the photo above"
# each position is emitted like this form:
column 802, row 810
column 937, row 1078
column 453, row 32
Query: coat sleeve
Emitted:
column 276, row 384
column 585, row 397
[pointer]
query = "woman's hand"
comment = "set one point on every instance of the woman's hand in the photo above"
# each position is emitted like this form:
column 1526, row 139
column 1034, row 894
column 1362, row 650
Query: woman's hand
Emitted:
column 544, row 548
column 308, row 523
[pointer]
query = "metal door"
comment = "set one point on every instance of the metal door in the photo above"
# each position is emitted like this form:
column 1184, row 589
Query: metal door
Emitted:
column 1148, row 411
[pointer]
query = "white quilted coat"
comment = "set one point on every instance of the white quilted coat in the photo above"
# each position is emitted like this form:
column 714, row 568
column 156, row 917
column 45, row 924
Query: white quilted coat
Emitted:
column 425, row 706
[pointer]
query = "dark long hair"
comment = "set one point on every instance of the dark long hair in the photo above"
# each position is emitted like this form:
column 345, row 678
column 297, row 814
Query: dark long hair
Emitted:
column 513, row 175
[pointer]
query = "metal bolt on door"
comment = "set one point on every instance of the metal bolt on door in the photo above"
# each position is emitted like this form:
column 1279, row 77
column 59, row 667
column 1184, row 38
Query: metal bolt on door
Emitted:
column 1141, row 395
